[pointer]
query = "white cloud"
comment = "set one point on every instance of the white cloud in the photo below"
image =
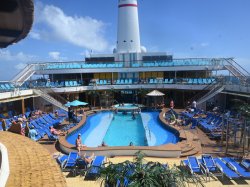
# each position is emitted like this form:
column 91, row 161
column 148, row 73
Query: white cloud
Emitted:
column 20, row 66
column 85, row 32
column 204, row 44
column 86, row 53
column 13, row 62
column 55, row 55
column 35, row 35
column 6, row 55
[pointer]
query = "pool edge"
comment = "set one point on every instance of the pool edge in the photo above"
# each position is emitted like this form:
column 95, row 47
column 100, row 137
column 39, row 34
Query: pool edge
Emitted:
column 166, row 150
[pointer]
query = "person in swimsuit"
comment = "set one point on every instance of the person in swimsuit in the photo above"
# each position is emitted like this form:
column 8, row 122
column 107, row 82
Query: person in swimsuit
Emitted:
column 79, row 144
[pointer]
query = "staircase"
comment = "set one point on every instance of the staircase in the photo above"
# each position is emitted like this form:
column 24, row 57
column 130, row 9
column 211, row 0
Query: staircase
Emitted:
column 24, row 75
column 216, row 89
column 188, row 149
column 211, row 87
column 236, row 69
column 43, row 93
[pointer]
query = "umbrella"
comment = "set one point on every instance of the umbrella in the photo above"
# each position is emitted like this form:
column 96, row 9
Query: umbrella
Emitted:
column 77, row 103
column 67, row 104
column 155, row 93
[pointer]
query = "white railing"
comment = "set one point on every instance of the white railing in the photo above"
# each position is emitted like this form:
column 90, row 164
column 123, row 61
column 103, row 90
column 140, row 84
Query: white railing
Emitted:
column 4, row 167
column 24, row 75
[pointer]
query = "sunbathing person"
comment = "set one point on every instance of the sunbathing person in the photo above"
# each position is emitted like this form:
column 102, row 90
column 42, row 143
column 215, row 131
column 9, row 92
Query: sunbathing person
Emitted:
column 88, row 159
column 56, row 132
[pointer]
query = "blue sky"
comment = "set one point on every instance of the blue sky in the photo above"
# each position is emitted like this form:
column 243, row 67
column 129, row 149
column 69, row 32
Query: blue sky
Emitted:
column 66, row 30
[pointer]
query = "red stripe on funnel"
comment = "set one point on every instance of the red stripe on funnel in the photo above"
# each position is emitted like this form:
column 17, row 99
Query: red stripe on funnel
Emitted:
column 124, row 5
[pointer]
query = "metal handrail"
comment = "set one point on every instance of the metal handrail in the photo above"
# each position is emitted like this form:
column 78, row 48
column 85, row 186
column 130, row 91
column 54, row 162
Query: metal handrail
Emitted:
column 52, row 93
column 203, row 92
column 23, row 72
column 238, row 67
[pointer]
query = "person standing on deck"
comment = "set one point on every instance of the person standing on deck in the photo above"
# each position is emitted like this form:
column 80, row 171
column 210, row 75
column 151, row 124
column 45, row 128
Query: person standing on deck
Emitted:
column 32, row 133
column 194, row 105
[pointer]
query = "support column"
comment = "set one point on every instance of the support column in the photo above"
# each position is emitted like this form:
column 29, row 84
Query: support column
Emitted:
column 23, row 107
column 112, row 78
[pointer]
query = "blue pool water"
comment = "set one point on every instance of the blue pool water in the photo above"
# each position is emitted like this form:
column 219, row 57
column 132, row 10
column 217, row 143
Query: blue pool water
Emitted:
column 156, row 133
column 127, row 106
column 123, row 130
column 119, row 130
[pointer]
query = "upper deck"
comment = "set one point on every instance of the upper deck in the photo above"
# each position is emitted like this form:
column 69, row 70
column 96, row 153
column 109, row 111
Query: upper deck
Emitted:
column 187, row 64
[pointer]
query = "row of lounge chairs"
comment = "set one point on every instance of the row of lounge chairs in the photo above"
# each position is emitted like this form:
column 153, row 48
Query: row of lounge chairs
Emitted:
column 42, row 125
column 212, row 124
column 209, row 166
column 81, row 65
column 75, row 164
column 6, row 86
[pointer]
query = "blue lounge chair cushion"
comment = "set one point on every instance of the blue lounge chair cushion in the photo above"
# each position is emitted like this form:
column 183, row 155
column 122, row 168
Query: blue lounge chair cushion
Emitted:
column 246, row 163
column 71, row 161
column 239, row 169
column 225, row 169
column 95, row 166
column 61, row 158
column 192, row 164
column 209, row 162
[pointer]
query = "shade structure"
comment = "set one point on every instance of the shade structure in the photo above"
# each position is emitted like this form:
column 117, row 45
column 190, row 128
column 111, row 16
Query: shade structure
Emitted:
column 75, row 103
column 67, row 104
column 78, row 103
column 155, row 93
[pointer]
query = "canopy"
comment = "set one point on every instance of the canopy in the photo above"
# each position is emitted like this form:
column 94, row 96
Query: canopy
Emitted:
column 67, row 104
column 75, row 103
column 155, row 93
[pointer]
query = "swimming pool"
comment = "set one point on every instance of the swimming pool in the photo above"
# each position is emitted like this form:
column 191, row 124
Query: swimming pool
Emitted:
column 120, row 129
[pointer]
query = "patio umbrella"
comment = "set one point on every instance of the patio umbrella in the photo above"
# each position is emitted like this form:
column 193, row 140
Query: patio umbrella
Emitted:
column 67, row 104
column 77, row 103
column 155, row 93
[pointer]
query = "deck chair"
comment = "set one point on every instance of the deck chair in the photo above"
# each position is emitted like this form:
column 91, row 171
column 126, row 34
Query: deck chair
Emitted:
column 61, row 158
column 193, row 165
column 225, row 169
column 209, row 164
column 81, row 166
column 246, row 163
column 70, row 162
column 94, row 169
column 237, row 167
